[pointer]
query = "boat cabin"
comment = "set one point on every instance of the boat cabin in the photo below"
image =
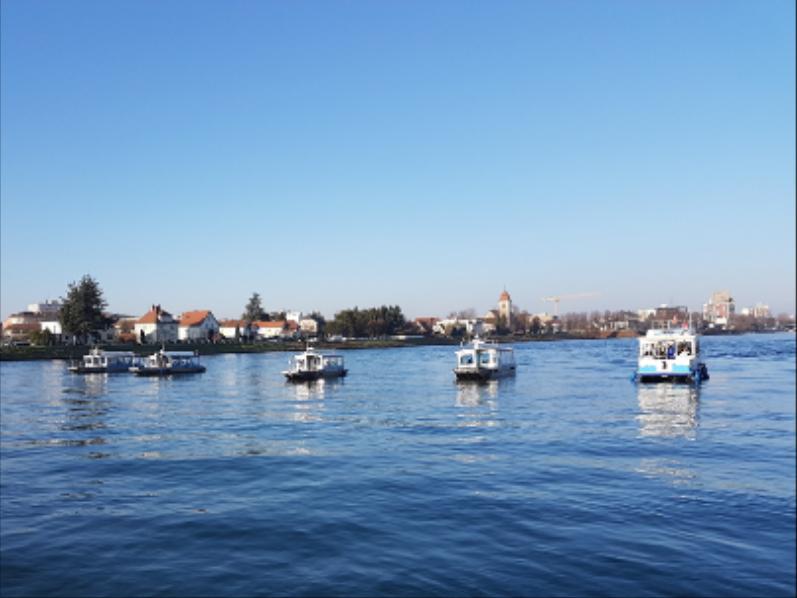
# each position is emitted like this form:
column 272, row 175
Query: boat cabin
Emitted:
column 484, row 361
column 312, row 365
column 667, row 355
column 100, row 361
column 172, row 359
column 312, row 361
column 668, row 346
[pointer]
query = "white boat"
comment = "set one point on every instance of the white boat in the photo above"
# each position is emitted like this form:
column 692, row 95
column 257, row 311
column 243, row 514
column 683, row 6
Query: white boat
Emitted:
column 98, row 361
column 670, row 356
column 484, row 361
column 167, row 363
column 312, row 365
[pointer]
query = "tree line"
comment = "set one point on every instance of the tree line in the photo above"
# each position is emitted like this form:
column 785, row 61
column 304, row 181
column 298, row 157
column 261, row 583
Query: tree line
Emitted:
column 83, row 314
column 372, row 322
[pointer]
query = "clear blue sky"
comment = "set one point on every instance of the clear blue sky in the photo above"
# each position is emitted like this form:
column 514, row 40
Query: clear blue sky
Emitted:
column 426, row 154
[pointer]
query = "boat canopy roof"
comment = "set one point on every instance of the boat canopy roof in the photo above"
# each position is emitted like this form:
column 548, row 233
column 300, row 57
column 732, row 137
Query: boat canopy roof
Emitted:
column 671, row 334
column 315, row 353
column 480, row 345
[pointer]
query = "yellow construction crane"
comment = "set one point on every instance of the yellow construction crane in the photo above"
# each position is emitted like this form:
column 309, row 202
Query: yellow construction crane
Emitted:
column 555, row 299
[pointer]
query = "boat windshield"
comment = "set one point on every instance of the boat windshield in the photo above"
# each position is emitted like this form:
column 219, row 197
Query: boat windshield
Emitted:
column 666, row 349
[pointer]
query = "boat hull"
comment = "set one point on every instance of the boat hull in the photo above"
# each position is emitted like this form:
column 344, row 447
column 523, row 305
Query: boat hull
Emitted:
column 167, row 371
column 699, row 374
column 314, row 375
column 81, row 369
column 483, row 374
column 77, row 369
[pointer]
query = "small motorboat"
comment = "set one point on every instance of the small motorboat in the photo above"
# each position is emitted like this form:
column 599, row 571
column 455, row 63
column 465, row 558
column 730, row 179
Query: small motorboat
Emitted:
column 98, row 361
column 167, row 363
column 484, row 361
column 671, row 355
column 312, row 365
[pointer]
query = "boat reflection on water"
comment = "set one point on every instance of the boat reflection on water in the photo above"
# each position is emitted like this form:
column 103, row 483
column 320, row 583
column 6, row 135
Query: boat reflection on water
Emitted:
column 668, row 410
column 476, row 394
column 476, row 414
column 309, row 397
column 90, row 385
column 470, row 394
column 316, row 389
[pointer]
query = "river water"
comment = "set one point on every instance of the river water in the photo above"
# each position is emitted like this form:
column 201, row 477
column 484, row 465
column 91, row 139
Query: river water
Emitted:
column 566, row 480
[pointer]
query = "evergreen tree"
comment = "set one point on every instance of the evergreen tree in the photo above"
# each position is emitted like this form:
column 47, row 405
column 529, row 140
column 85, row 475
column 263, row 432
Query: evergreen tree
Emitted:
column 254, row 311
column 81, row 313
column 41, row 338
column 372, row 322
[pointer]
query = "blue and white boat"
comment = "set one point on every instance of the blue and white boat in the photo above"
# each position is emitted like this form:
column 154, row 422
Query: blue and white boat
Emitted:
column 98, row 361
column 670, row 356
column 167, row 363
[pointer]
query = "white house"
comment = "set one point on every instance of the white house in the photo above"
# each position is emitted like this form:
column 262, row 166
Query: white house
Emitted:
column 156, row 326
column 472, row 326
column 308, row 326
column 54, row 326
column 197, row 325
column 269, row 329
column 232, row 329
column 490, row 321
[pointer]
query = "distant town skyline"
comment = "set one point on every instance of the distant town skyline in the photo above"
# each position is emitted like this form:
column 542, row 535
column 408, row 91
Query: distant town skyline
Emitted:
column 423, row 155
column 567, row 305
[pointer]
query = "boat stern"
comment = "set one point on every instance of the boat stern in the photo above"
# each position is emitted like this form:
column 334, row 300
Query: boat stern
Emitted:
column 670, row 370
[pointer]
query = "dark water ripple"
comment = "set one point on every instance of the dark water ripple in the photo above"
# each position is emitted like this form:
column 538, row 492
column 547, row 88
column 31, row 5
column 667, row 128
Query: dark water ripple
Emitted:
column 568, row 480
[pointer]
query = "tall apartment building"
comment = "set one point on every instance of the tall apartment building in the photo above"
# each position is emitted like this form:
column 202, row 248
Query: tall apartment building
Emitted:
column 719, row 310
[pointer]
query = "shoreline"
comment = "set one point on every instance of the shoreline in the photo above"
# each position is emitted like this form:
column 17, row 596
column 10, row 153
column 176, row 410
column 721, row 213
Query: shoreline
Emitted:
column 76, row 352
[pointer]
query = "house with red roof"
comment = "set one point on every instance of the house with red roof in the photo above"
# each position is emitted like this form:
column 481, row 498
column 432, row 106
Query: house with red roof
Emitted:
column 197, row 325
column 278, row 329
column 156, row 326
column 235, row 329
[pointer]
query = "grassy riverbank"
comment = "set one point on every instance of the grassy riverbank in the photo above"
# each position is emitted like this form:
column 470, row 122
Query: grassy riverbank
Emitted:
column 72, row 352
column 75, row 352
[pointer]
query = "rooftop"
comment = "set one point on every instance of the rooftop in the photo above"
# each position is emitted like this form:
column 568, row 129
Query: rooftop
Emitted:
column 194, row 318
column 153, row 316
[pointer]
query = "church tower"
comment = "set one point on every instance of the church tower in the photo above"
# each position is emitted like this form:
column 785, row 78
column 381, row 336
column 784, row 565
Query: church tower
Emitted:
column 505, row 308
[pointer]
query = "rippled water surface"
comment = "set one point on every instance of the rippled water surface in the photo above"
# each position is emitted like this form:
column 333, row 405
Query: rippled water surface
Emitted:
column 567, row 480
